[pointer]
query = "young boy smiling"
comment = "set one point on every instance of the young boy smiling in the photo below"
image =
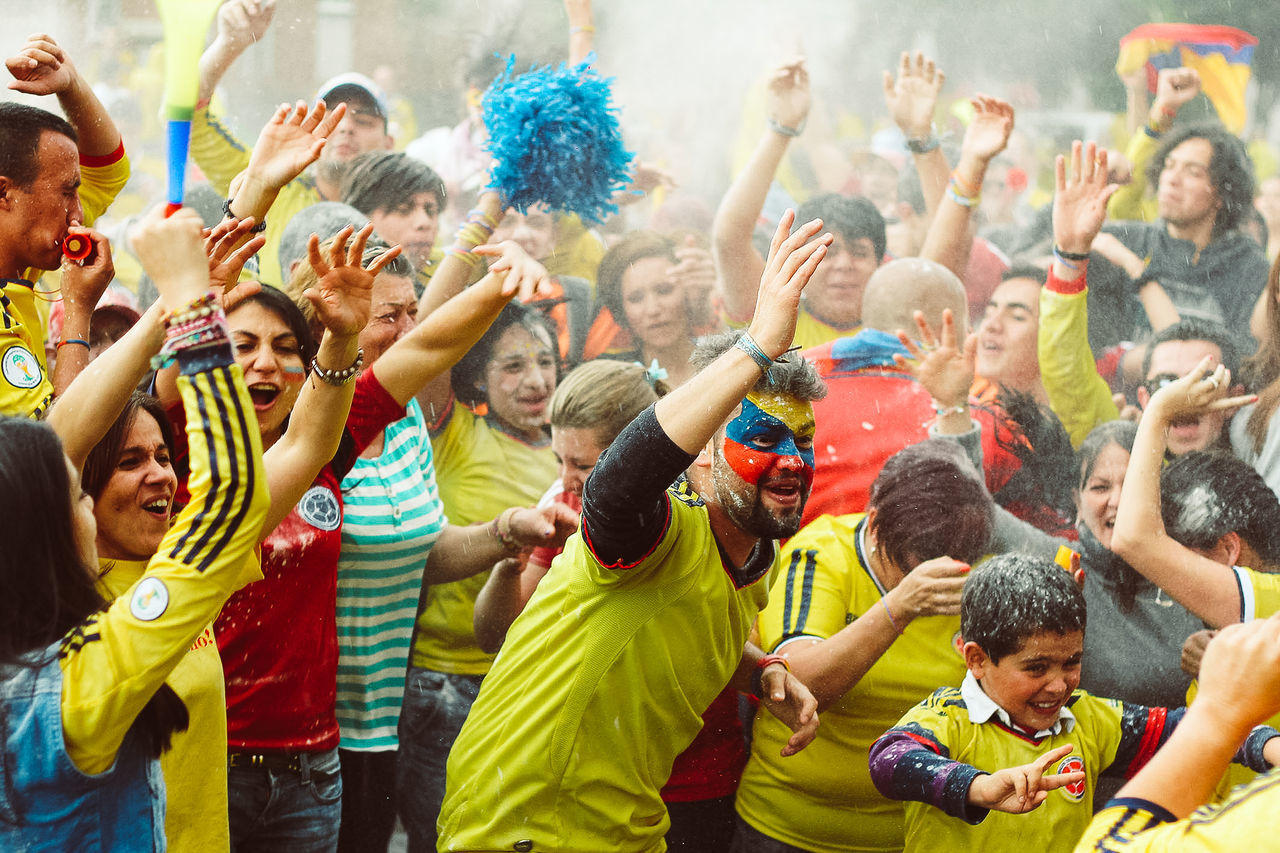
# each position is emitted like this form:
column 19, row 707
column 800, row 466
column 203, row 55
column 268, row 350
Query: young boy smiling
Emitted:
column 1022, row 620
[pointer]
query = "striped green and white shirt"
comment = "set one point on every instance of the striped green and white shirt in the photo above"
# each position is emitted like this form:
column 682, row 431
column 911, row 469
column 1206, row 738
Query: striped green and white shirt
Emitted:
column 392, row 517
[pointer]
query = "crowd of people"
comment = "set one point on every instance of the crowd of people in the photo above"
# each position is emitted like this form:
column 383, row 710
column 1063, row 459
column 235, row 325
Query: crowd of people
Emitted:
column 349, row 496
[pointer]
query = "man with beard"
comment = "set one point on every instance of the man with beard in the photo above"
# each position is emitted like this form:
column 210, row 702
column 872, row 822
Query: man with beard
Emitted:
column 644, row 618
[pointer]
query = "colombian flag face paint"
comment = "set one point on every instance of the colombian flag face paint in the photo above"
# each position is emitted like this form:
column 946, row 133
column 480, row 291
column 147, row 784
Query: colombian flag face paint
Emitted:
column 772, row 430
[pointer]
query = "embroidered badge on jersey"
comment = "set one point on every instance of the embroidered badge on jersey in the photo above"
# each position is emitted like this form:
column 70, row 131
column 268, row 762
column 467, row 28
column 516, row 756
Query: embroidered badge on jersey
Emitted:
column 1073, row 791
column 20, row 368
column 319, row 508
column 150, row 600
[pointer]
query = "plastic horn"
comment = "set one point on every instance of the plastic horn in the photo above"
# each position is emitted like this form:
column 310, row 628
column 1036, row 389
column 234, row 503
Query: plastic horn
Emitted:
column 185, row 24
column 76, row 247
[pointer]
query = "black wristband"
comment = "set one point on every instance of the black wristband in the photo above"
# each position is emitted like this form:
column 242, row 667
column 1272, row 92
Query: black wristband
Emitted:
column 1070, row 256
column 227, row 214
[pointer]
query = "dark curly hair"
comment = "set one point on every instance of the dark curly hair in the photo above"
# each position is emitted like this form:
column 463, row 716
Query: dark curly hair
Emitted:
column 1230, row 170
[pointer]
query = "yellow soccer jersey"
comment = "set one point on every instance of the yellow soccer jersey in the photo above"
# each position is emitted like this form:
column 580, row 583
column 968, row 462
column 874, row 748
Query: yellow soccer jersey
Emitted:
column 114, row 661
column 990, row 746
column 600, row 684
column 822, row 798
column 480, row 472
column 26, row 388
column 1246, row 821
column 1259, row 594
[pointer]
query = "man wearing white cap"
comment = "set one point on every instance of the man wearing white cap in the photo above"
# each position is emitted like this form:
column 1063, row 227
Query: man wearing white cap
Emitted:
column 221, row 156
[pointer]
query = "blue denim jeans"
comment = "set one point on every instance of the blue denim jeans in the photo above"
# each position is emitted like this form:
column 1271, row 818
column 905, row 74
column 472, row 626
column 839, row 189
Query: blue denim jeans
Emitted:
column 436, row 705
column 286, row 811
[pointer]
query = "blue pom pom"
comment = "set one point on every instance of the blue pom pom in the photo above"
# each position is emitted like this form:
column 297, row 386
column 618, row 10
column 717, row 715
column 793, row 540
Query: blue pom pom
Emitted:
column 554, row 135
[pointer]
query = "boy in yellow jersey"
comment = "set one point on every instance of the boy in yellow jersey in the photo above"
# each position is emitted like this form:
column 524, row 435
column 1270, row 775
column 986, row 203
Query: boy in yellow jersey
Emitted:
column 644, row 618
column 1240, row 685
column 1022, row 619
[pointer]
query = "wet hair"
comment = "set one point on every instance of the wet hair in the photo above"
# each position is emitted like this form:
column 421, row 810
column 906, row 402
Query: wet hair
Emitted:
column 791, row 373
column 279, row 303
column 930, row 502
column 101, row 462
column 1230, row 170
column 385, row 180
column 46, row 590
column 1204, row 496
column 635, row 246
column 1194, row 329
column 467, row 377
column 1262, row 371
column 603, row 396
column 1046, row 461
column 1023, row 269
column 851, row 217
column 1123, row 433
column 1012, row 597
column 21, row 127
column 324, row 219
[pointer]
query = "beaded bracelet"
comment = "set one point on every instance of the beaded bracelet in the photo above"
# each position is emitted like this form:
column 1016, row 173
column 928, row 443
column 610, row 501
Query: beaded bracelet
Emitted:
column 748, row 344
column 339, row 377
column 500, row 529
column 258, row 228
column 205, row 330
column 204, row 306
column 942, row 411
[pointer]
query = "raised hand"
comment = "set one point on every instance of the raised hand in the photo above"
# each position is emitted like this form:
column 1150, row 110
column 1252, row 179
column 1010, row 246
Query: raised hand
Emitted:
column 941, row 366
column 988, row 133
column 1240, row 675
column 1193, row 649
column 1018, row 790
column 788, row 101
column 342, row 293
column 1080, row 199
column 1174, row 88
column 1205, row 389
column 291, row 141
column 786, row 697
column 913, row 96
column 932, row 588
column 792, row 260
column 226, row 260
column 695, row 274
column 172, row 252
column 522, row 275
column 243, row 22
column 41, row 67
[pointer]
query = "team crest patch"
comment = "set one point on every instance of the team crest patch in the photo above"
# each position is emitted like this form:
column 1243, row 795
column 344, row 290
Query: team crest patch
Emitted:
column 150, row 599
column 1073, row 791
column 20, row 367
column 319, row 508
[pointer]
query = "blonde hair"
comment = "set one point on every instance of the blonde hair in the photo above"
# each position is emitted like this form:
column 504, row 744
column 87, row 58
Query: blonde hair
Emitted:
column 603, row 396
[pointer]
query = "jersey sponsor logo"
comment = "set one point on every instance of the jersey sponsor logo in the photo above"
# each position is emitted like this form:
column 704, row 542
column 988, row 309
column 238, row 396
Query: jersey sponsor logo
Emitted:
column 319, row 508
column 150, row 600
column 1073, row 791
column 21, row 369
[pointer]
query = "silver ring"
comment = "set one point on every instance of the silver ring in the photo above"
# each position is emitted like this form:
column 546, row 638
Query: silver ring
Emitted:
column 1212, row 380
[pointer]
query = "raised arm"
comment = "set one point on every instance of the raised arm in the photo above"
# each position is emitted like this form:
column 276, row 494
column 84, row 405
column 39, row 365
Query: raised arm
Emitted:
column 83, row 284
column 582, row 30
column 341, row 302
column 290, row 141
column 241, row 23
column 912, row 99
column 44, row 68
column 1175, row 87
column 117, row 660
column 1207, row 588
column 739, row 263
column 1077, row 394
column 949, row 238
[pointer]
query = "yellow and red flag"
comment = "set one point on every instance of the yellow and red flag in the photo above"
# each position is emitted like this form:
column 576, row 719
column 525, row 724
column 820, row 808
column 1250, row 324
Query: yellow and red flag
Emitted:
column 1222, row 56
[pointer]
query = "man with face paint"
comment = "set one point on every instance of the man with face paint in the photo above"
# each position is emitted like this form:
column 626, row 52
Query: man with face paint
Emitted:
column 644, row 618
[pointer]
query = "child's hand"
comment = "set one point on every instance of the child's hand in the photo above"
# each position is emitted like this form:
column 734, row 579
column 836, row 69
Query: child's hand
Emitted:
column 1018, row 790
